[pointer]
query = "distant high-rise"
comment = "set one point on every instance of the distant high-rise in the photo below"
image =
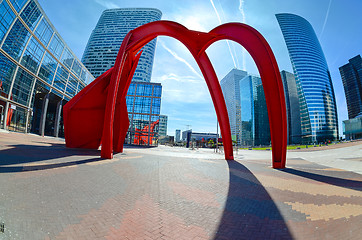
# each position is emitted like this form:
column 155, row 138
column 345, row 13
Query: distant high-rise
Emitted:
column 311, row 70
column 246, row 105
column 106, row 39
column 230, row 86
column 351, row 74
column 297, row 111
column 162, row 129
column 178, row 135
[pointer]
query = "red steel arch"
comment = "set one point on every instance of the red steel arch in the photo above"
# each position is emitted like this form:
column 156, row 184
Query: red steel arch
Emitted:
column 98, row 114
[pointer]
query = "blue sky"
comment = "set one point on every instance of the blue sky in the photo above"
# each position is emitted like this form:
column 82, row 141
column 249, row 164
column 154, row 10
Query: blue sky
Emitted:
column 186, row 99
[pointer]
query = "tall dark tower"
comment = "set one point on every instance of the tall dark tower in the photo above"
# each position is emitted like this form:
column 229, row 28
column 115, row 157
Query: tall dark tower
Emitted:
column 351, row 74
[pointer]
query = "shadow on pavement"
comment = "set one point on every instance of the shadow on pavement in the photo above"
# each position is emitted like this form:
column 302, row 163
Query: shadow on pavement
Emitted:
column 340, row 182
column 250, row 212
column 23, row 154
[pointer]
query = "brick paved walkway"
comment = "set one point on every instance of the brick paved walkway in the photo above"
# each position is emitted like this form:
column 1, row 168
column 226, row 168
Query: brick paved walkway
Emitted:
column 50, row 192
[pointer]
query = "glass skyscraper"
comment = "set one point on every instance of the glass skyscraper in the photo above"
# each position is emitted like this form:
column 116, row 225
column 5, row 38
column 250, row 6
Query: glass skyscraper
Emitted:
column 38, row 71
column 299, row 129
column 143, row 98
column 230, row 86
column 311, row 70
column 246, row 105
column 106, row 39
column 351, row 74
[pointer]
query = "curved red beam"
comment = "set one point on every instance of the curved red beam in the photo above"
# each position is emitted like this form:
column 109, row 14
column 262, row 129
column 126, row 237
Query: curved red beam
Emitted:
column 114, row 126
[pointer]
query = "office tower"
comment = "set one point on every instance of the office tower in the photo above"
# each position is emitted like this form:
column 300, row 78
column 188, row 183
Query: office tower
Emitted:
column 311, row 70
column 38, row 71
column 178, row 135
column 100, row 55
column 230, row 86
column 255, row 129
column 246, row 105
column 106, row 39
column 299, row 128
column 162, row 130
column 143, row 105
column 351, row 74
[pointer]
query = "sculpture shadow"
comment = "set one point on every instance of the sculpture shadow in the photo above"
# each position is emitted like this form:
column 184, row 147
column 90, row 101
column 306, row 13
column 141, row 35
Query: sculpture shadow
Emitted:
column 340, row 182
column 250, row 212
column 20, row 155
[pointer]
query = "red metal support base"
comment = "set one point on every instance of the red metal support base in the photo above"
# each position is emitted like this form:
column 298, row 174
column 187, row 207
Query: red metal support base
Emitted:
column 98, row 114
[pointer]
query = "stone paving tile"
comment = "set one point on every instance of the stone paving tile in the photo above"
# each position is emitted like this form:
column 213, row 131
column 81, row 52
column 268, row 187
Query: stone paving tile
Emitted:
column 50, row 192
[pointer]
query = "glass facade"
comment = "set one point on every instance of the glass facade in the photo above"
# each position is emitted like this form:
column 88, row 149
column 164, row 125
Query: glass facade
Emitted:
column 255, row 129
column 299, row 130
column 352, row 128
column 38, row 73
column 106, row 39
column 230, row 86
column 143, row 100
column 246, row 105
column 351, row 74
column 311, row 70
column 143, row 104
column 163, row 126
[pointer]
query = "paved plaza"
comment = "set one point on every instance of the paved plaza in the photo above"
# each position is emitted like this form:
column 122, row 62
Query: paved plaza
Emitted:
column 50, row 192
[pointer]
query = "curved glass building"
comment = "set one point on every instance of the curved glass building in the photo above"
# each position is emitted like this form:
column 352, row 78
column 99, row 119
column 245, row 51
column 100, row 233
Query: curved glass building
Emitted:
column 106, row 39
column 311, row 70
column 38, row 71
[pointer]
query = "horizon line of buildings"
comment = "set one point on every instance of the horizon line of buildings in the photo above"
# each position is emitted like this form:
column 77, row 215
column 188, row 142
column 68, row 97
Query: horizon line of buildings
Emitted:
column 39, row 74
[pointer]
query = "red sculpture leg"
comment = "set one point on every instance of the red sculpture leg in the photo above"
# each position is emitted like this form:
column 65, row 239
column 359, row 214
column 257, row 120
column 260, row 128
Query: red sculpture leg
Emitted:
column 264, row 58
column 219, row 103
column 120, row 68
column 121, row 122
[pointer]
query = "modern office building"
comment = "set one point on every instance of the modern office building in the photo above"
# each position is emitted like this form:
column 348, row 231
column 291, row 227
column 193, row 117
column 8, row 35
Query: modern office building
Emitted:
column 352, row 128
column 311, row 70
column 178, row 135
column 351, row 74
column 255, row 129
column 143, row 104
column 38, row 71
column 162, row 130
column 100, row 55
column 230, row 86
column 299, row 130
column 246, row 105
column 106, row 39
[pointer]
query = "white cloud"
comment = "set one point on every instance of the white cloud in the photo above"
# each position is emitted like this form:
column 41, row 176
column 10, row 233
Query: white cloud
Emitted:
column 174, row 54
column 107, row 4
column 182, row 89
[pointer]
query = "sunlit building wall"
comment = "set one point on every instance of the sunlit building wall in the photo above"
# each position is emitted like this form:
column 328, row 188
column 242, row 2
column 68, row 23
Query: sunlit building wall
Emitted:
column 255, row 129
column 106, row 39
column 162, row 132
column 38, row 71
column 311, row 70
column 246, row 105
column 230, row 86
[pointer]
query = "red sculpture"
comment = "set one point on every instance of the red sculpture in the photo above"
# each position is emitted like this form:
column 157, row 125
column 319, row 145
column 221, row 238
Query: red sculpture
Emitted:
column 98, row 114
column 144, row 136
